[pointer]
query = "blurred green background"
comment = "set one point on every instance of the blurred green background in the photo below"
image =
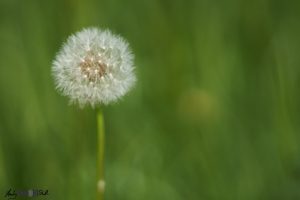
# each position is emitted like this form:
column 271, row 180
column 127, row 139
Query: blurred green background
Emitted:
column 215, row 114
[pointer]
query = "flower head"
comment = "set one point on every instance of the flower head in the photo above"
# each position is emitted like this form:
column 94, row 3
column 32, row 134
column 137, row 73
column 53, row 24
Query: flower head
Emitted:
column 94, row 67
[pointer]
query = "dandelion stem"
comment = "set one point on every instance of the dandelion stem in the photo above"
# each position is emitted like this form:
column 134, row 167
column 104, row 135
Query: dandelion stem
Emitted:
column 101, row 140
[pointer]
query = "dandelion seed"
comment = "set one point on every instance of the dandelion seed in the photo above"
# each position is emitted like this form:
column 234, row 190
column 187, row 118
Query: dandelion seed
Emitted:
column 94, row 67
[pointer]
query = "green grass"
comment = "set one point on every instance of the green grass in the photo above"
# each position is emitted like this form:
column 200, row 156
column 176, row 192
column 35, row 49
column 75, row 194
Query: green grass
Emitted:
column 214, row 115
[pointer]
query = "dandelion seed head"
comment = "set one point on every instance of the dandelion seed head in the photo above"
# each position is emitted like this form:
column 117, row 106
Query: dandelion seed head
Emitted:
column 94, row 67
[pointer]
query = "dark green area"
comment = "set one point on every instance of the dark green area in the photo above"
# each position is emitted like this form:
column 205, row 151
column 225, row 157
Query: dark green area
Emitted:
column 215, row 114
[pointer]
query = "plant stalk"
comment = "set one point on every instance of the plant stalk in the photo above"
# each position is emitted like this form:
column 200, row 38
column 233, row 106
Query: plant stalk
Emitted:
column 100, row 167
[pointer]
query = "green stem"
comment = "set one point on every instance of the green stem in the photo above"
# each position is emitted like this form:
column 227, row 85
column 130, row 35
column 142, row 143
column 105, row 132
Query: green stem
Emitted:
column 101, row 140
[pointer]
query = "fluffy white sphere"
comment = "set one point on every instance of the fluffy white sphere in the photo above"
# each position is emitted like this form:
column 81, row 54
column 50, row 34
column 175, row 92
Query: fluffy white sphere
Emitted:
column 94, row 67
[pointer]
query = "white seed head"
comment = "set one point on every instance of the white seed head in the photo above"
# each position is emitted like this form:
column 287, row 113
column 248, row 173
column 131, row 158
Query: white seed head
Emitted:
column 94, row 67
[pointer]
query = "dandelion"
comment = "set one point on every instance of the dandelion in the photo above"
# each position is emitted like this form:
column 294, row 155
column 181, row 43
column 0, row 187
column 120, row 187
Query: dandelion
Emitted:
column 94, row 67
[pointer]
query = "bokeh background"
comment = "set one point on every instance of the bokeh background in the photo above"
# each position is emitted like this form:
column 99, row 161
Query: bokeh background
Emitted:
column 215, row 114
